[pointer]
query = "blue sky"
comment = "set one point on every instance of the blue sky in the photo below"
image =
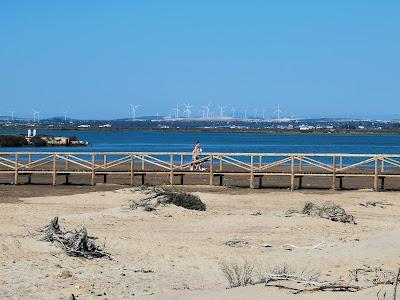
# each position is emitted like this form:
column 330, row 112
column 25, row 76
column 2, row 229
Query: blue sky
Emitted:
column 93, row 58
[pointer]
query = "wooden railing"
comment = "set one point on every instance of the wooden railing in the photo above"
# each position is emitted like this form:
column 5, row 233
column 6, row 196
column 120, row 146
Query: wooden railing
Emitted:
column 252, row 165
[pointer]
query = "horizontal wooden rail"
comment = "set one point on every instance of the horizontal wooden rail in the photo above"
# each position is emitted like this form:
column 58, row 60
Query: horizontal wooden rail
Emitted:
column 253, row 166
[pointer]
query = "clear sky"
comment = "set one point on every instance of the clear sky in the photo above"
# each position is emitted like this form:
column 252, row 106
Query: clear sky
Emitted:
column 93, row 58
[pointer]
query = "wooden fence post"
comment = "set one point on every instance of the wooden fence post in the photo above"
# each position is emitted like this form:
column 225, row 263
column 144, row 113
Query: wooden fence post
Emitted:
column 54, row 169
column 132, row 169
column 301, row 164
column 252, row 172
column 16, row 169
column 334, row 173
column 171, row 174
column 211, row 169
column 93, row 170
column 292, row 175
column 376, row 174
column 66, row 162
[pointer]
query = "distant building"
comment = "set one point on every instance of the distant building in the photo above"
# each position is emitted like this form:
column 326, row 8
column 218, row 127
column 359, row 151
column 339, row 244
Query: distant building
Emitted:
column 105, row 126
column 83, row 126
column 306, row 127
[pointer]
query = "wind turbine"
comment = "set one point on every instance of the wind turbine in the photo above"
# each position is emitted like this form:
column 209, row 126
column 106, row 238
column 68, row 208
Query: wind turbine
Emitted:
column 133, row 108
column 65, row 116
column 245, row 113
column 207, row 110
column 233, row 112
column 255, row 113
column 221, row 110
column 12, row 115
column 36, row 116
column 278, row 111
column 203, row 112
column 263, row 113
column 176, row 110
column 187, row 110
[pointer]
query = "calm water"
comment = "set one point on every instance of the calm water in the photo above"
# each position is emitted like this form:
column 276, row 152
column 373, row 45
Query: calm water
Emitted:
column 101, row 141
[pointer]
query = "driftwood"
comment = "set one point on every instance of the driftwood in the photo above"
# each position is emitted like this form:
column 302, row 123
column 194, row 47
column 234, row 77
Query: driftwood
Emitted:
column 369, row 277
column 75, row 243
column 306, row 284
column 396, row 282
column 375, row 204
column 291, row 247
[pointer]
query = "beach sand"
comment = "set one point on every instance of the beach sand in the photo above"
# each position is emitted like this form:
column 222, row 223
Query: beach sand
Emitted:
column 174, row 253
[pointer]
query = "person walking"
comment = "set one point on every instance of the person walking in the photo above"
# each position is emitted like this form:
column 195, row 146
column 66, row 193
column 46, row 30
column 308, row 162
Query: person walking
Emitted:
column 196, row 165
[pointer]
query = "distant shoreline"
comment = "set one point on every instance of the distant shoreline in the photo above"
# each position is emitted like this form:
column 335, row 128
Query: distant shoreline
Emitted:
column 218, row 130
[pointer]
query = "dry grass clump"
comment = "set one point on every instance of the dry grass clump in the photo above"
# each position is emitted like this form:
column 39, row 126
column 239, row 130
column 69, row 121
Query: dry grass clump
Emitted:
column 306, row 280
column 238, row 274
column 237, row 243
column 160, row 196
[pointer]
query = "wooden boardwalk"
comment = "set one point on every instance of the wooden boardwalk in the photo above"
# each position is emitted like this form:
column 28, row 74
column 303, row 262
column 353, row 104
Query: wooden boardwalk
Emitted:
column 24, row 167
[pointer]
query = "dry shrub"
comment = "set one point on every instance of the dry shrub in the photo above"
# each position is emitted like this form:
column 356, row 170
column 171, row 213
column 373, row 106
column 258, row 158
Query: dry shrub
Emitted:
column 328, row 210
column 161, row 196
column 238, row 274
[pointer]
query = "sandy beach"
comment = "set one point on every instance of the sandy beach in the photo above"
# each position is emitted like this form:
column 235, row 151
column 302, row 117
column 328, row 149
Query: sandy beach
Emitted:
column 174, row 253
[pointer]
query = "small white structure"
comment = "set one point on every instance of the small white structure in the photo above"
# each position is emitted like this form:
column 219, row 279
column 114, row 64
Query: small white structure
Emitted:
column 29, row 133
column 34, row 132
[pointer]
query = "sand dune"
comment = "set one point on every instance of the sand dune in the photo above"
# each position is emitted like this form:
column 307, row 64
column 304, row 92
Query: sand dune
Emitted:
column 174, row 253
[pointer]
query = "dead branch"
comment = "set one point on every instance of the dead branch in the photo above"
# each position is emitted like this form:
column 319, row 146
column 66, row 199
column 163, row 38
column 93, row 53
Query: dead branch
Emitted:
column 375, row 204
column 369, row 277
column 292, row 247
column 269, row 277
column 75, row 243
column 396, row 281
